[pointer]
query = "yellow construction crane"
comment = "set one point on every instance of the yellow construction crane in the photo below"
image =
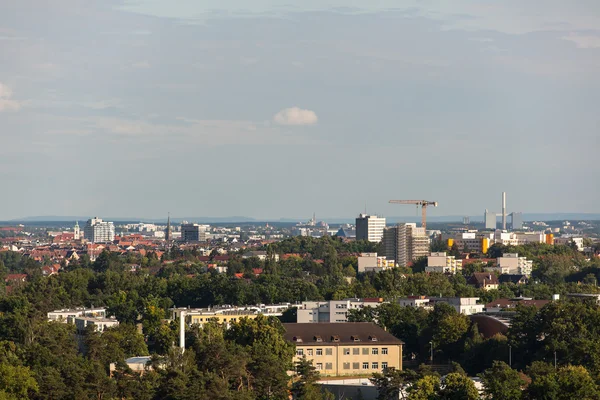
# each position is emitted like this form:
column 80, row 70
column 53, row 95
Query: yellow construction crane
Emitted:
column 422, row 203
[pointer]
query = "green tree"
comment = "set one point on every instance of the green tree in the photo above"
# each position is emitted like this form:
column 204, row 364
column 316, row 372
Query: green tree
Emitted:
column 16, row 382
column 501, row 382
column 456, row 386
column 392, row 383
column 426, row 388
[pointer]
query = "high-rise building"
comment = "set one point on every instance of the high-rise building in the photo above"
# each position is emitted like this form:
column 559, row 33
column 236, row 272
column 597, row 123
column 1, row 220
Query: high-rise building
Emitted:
column 516, row 220
column 193, row 233
column 405, row 243
column 369, row 227
column 76, row 231
column 489, row 220
column 98, row 231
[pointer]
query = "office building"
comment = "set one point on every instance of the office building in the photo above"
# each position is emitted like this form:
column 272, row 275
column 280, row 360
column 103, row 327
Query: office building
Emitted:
column 193, row 233
column 489, row 219
column 352, row 348
column 369, row 227
column 405, row 243
column 98, row 231
column 333, row 311
column 442, row 263
column 516, row 221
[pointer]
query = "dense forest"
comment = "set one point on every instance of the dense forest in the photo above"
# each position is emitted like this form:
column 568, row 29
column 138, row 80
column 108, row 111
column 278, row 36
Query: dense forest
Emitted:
column 41, row 360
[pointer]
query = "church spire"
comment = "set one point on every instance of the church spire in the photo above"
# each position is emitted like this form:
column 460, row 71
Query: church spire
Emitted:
column 168, row 230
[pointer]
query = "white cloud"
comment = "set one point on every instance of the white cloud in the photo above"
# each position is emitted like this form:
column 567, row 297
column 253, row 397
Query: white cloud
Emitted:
column 141, row 64
column 6, row 102
column 295, row 116
column 584, row 41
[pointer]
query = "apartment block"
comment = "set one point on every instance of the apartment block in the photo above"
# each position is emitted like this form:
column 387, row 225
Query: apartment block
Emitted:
column 333, row 311
column 194, row 233
column 227, row 314
column 344, row 349
column 371, row 262
column 369, row 227
column 405, row 243
column 511, row 263
column 98, row 231
column 68, row 315
column 442, row 263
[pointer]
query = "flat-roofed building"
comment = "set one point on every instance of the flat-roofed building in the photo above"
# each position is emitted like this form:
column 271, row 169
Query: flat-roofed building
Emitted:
column 442, row 263
column 67, row 315
column 369, row 227
column 333, row 310
column 351, row 348
column 99, row 324
column 226, row 315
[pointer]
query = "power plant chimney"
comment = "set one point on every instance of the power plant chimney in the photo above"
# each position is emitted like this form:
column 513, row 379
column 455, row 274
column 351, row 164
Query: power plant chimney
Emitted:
column 503, row 211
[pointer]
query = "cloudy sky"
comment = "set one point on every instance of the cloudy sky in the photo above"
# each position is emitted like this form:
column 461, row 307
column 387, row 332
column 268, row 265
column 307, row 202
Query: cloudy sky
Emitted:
column 265, row 109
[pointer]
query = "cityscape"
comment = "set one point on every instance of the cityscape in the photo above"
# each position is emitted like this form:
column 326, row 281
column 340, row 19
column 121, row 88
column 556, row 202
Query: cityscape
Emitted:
column 324, row 200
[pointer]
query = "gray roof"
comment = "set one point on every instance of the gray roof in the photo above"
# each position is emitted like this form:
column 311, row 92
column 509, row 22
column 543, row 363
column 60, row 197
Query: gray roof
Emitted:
column 356, row 333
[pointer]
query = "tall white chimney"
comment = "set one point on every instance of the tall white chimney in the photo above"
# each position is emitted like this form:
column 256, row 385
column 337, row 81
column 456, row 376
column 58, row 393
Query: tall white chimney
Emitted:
column 503, row 211
column 182, row 331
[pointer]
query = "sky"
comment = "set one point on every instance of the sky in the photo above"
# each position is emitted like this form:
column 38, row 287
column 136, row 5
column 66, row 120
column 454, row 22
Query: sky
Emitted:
column 269, row 109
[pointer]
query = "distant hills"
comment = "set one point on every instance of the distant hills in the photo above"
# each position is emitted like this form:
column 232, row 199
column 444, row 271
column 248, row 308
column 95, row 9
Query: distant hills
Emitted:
column 338, row 220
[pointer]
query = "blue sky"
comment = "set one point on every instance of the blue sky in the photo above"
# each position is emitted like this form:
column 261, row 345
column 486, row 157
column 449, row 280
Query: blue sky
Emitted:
column 266, row 109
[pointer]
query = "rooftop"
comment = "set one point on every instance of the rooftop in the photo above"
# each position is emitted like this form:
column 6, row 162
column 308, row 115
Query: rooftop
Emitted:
column 339, row 333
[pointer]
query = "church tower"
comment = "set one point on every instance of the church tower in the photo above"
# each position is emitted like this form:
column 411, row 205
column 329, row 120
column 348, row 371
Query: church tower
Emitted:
column 76, row 231
column 168, row 230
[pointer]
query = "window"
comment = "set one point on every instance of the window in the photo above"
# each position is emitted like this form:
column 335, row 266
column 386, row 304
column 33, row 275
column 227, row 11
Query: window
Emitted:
column 365, row 365
column 384, row 350
column 374, row 365
column 319, row 366
column 328, row 366
column 346, row 365
column 318, row 338
column 355, row 338
column 328, row 352
column 374, row 351
column 384, row 365
column 365, row 351
column 299, row 352
column 309, row 352
column 346, row 351
column 356, row 351
column 355, row 365
column 319, row 352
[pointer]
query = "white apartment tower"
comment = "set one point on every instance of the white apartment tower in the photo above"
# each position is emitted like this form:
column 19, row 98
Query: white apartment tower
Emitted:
column 369, row 227
column 405, row 243
column 98, row 231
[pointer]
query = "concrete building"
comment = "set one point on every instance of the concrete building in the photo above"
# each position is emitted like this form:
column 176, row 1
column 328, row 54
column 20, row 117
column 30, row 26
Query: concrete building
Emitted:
column 442, row 263
column 516, row 221
column 193, row 232
column 68, row 315
column 371, row 262
column 333, row 311
column 227, row 314
column 98, row 231
column 489, row 219
column 99, row 324
column 567, row 240
column 512, row 264
column 462, row 305
column 471, row 241
column 352, row 348
column 405, row 243
column 369, row 227
column 138, row 365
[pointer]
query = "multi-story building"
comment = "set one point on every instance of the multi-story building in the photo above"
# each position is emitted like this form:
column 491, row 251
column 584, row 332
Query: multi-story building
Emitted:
column 98, row 231
column 227, row 314
column 405, row 243
column 489, row 219
column 193, row 233
column 442, row 263
column 462, row 305
column 352, row 348
column 333, row 310
column 567, row 240
column 512, row 264
column 99, row 324
column 516, row 221
column 371, row 262
column 369, row 227
column 68, row 315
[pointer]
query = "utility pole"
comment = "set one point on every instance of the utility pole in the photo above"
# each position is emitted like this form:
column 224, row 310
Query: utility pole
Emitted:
column 431, row 357
column 510, row 355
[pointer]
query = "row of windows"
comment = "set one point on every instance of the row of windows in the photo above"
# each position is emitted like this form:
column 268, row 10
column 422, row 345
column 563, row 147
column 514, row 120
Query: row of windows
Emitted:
column 355, row 351
column 365, row 365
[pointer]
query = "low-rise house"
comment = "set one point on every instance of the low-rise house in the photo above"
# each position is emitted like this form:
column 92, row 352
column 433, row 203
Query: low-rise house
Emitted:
column 99, row 324
column 137, row 365
column 68, row 315
column 351, row 348
column 484, row 280
column 516, row 279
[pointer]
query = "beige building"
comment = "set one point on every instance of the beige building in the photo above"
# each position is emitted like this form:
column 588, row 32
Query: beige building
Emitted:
column 442, row 263
column 351, row 348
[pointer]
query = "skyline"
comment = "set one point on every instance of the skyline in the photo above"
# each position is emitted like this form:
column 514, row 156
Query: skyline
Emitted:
column 130, row 108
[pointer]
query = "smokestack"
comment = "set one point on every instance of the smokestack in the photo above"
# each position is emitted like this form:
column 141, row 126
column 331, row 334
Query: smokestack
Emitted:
column 503, row 210
column 182, row 331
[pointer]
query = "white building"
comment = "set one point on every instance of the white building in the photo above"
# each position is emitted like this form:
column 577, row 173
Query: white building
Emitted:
column 405, row 243
column 567, row 240
column 369, row 227
column 511, row 263
column 98, row 231
column 414, row 301
column 68, row 315
column 333, row 310
column 99, row 324
column 442, row 263
column 371, row 262
column 462, row 305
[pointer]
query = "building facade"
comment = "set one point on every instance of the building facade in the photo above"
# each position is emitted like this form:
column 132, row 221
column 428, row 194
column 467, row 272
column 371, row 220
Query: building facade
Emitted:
column 371, row 262
column 405, row 243
column 516, row 221
column 512, row 264
column 353, row 348
column 369, row 227
column 442, row 263
column 333, row 311
column 98, row 231
column 193, row 233
column 489, row 219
